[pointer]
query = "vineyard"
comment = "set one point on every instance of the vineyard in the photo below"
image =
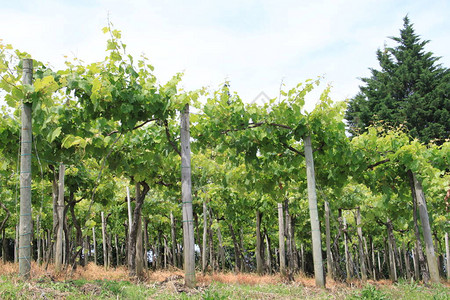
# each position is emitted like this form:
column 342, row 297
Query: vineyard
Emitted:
column 103, row 166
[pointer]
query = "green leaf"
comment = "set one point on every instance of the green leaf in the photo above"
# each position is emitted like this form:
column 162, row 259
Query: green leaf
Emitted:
column 54, row 134
column 70, row 141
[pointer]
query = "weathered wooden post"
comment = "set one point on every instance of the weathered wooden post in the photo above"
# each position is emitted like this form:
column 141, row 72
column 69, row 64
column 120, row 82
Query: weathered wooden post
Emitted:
column 60, row 213
column 95, row 245
column 347, row 255
column 105, row 252
column 205, row 237
column 281, row 240
column 25, row 178
column 139, row 241
column 447, row 251
column 426, row 228
column 328, row 239
column 313, row 213
column 360, row 246
column 130, row 218
column 186, row 196
column 174, row 240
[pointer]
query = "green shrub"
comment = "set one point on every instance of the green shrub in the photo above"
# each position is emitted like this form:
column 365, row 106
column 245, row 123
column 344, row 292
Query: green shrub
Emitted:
column 370, row 292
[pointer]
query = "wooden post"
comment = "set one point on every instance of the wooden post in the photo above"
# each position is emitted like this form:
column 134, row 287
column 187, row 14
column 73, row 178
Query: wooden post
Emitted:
column 60, row 228
column 289, row 240
column 418, row 253
column 360, row 244
column 221, row 249
column 392, row 265
column 303, row 258
column 407, row 265
column 166, row 252
column 95, row 245
column 139, row 250
column 447, row 251
column 130, row 224
column 116, row 242
column 49, row 247
column 415, row 264
column 314, row 215
column 109, row 247
column 105, row 252
column 281, row 240
column 398, row 255
column 373, row 261
column 130, row 218
column 328, row 239
column 426, row 228
column 347, row 257
column 38, row 238
column 145, row 237
column 237, row 252
column 269, row 254
column 25, row 178
column 65, row 243
column 43, row 247
column 259, row 259
column 174, row 240
column 86, row 249
column 16, row 245
column 205, row 237
column 211, row 245
column 186, row 196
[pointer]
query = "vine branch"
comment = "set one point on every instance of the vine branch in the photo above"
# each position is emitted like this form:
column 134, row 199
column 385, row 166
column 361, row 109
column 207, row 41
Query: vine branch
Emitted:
column 135, row 127
column 169, row 138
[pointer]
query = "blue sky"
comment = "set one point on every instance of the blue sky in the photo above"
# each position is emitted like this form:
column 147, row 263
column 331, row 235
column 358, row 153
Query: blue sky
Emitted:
column 254, row 44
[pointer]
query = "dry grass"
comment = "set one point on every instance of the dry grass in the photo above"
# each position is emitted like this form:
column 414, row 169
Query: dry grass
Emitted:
column 161, row 275
column 95, row 272
column 239, row 278
column 9, row 268
column 90, row 272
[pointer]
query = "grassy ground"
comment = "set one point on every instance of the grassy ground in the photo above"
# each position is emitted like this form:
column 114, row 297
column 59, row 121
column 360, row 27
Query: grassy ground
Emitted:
column 94, row 282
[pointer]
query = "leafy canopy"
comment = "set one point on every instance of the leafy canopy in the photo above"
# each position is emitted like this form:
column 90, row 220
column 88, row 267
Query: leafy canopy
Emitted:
column 410, row 89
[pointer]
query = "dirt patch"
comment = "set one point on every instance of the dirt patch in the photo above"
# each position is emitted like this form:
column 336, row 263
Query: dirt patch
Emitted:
column 45, row 293
column 91, row 289
column 172, row 278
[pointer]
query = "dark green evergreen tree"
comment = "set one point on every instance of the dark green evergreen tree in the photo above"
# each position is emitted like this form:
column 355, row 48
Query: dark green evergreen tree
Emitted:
column 411, row 89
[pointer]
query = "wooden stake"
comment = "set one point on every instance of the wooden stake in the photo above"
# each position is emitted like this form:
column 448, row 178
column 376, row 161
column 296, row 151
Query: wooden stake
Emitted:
column 105, row 252
column 282, row 250
column 423, row 213
column 60, row 229
column 25, row 218
column 205, row 237
column 186, row 196
column 95, row 245
column 328, row 239
column 360, row 244
column 347, row 255
column 447, row 251
column 314, row 215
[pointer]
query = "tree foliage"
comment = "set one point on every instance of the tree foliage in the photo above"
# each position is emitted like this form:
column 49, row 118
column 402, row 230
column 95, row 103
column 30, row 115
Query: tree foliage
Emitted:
column 409, row 89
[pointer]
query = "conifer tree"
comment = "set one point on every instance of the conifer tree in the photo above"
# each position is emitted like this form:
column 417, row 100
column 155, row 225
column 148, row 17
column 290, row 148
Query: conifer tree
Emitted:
column 410, row 89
